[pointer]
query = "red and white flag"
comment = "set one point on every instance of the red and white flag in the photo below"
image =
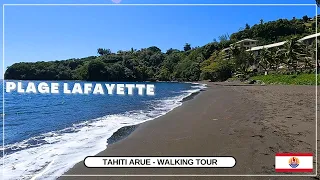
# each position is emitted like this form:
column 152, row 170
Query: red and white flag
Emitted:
column 294, row 162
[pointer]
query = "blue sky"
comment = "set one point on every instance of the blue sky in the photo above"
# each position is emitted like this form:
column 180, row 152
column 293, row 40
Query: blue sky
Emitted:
column 43, row 33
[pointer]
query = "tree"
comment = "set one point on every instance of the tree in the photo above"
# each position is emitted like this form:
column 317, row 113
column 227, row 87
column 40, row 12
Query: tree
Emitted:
column 224, row 38
column 216, row 68
column 102, row 51
column 309, row 56
column 272, row 31
column 164, row 74
column 171, row 50
column 318, row 3
column 261, row 21
column 187, row 47
column 305, row 18
column 97, row 70
column 81, row 73
column 133, row 50
column 247, row 26
column 156, row 59
column 242, row 59
column 265, row 59
column 154, row 49
column 117, row 72
column 129, row 75
column 293, row 51
column 277, row 55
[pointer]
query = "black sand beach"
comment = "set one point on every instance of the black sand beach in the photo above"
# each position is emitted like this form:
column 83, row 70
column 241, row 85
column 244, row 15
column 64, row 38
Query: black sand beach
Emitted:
column 251, row 123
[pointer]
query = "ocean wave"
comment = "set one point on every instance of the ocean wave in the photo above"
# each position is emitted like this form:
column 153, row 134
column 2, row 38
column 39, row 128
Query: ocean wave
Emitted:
column 201, row 86
column 52, row 154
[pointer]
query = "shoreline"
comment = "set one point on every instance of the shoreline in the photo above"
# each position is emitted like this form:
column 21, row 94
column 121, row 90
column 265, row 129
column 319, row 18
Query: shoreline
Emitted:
column 226, row 120
column 125, row 131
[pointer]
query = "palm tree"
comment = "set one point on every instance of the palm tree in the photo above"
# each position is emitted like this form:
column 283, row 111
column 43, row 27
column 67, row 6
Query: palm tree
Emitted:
column 293, row 51
column 235, row 50
column 277, row 56
column 309, row 54
column 241, row 58
column 265, row 59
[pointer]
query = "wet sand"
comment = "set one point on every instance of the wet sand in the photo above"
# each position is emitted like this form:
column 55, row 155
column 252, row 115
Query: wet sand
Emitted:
column 250, row 122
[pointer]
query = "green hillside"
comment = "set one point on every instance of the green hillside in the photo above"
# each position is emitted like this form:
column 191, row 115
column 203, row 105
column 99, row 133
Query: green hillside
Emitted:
column 150, row 64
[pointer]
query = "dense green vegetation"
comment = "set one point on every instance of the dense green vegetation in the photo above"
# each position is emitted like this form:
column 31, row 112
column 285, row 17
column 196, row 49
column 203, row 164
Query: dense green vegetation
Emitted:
column 189, row 64
column 300, row 79
column 276, row 31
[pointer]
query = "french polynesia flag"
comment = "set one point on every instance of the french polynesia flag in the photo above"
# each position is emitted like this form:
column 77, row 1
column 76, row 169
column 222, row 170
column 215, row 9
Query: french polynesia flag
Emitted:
column 294, row 162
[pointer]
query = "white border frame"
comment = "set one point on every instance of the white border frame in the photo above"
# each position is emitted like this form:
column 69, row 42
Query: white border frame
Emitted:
column 167, row 175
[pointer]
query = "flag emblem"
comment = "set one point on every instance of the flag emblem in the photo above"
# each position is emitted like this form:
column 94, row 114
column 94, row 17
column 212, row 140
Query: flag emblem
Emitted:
column 294, row 162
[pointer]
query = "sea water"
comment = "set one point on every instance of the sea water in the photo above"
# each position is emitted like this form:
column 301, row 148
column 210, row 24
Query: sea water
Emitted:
column 47, row 134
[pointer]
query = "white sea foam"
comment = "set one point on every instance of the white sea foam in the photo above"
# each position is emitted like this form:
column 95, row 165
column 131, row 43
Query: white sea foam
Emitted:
column 199, row 85
column 61, row 150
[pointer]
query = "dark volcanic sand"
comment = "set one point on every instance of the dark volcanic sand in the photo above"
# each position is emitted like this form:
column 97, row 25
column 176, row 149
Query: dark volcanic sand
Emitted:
column 251, row 123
